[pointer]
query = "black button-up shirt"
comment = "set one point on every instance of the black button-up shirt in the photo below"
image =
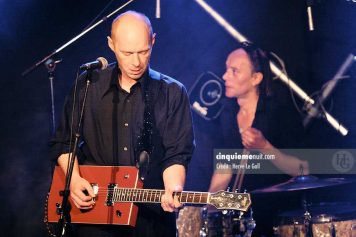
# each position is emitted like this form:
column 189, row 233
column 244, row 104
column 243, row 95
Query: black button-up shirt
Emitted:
column 113, row 121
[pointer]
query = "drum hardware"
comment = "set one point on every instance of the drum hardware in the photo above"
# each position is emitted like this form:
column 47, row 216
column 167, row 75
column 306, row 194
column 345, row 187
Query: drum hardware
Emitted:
column 204, row 231
column 216, row 223
column 313, row 221
column 307, row 217
column 332, row 230
column 227, row 224
column 352, row 229
column 308, row 224
column 303, row 182
column 325, row 219
column 296, row 229
column 248, row 225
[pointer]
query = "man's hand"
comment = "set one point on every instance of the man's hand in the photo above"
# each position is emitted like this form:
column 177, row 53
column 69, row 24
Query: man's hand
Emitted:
column 253, row 138
column 173, row 178
column 81, row 193
column 169, row 202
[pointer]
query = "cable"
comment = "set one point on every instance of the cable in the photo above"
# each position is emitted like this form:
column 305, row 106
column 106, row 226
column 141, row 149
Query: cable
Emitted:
column 98, row 15
column 283, row 66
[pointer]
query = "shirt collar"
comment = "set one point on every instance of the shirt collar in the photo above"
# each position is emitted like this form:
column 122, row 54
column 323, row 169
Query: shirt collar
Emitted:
column 111, row 82
column 263, row 102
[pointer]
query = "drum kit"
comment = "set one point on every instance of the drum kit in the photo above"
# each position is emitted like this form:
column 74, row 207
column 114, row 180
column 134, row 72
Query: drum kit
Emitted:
column 325, row 219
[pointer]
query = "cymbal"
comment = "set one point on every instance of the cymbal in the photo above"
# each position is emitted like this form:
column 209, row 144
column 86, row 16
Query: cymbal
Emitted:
column 303, row 182
column 337, row 209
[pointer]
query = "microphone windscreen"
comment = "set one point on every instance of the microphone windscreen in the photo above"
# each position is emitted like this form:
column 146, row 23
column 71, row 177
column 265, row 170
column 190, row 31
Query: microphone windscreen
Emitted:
column 104, row 62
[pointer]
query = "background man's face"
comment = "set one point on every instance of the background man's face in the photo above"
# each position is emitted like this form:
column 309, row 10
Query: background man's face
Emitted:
column 239, row 74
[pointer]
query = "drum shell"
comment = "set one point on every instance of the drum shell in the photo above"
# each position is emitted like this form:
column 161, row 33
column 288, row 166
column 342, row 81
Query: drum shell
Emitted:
column 189, row 222
column 322, row 226
column 192, row 221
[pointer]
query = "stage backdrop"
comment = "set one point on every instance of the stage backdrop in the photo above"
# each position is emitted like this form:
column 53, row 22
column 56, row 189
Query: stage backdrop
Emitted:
column 188, row 43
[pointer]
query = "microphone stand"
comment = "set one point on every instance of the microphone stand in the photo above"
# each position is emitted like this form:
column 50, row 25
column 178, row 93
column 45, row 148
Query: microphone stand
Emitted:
column 51, row 66
column 31, row 68
column 314, row 109
column 274, row 68
column 63, row 209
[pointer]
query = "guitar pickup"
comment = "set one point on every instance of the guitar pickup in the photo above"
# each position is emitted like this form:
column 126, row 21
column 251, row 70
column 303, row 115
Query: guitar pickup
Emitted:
column 95, row 187
column 109, row 197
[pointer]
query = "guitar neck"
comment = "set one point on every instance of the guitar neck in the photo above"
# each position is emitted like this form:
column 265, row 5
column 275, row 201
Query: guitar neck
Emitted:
column 154, row 196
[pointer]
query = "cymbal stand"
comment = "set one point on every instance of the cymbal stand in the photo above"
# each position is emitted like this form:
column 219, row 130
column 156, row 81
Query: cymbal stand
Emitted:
column 250, row 225
column 307, row 218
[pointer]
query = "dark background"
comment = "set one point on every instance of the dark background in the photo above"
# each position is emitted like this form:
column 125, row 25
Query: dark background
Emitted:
column 188, row 43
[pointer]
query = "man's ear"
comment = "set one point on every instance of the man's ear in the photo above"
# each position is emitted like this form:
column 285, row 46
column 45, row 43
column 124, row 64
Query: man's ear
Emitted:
column 257, row 78
column 110, row 43
column 153, row 39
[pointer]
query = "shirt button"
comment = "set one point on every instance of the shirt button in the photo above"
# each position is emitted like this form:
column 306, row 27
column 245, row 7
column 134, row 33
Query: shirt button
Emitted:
column 125, row 148
column 126, row 124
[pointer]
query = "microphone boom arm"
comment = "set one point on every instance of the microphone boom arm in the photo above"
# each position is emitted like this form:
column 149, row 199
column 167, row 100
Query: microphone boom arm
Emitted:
column 330, row 85
column 30, row 69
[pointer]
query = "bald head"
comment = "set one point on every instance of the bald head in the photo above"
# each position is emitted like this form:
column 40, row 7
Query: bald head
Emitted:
column 130, row 20
column 239, row 58
column 131, row 40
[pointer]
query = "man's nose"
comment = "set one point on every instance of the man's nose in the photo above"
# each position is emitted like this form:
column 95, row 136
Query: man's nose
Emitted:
column 225, row 76
column 135, row 60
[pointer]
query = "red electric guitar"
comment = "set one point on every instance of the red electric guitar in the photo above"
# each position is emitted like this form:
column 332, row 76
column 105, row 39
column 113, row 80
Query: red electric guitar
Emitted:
column 117, row 188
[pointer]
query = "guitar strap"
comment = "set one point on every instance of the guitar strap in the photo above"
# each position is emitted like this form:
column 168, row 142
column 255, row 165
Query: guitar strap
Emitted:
column 144, row 147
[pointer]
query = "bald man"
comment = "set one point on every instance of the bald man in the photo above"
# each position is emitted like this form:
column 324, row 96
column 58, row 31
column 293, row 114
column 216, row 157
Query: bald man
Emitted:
column 131, row 110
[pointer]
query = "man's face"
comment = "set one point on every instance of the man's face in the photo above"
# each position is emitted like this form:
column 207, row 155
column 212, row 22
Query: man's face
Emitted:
column 239, row 76
column 132, row 45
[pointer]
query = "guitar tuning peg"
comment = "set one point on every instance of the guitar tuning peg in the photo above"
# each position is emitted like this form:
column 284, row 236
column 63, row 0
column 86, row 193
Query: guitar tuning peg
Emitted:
column 224, row 212
column 228, row 189
column 245, row 191
column 236, row 190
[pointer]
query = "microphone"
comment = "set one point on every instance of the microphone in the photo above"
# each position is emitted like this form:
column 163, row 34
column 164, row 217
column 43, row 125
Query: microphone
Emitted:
column 100, row 63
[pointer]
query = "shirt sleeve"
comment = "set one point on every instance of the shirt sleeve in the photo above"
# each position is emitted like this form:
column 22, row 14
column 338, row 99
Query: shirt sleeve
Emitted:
column 60, row 142
column 178, row 137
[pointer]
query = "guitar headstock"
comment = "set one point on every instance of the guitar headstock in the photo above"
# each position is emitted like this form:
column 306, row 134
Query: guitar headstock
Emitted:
column 230, row 201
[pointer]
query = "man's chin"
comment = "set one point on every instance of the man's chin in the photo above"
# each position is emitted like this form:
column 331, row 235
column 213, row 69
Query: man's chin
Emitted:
column 135, row 76
column 229, row 95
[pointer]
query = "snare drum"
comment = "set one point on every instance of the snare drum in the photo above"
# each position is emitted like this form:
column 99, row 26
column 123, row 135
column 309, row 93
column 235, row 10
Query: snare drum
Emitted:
column 215, row 224
column 340, row 221
column 289, row 227
column 326, row 226
column 195, row 221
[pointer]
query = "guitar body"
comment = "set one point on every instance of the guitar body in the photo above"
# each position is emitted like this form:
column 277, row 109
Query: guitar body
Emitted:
column 118, row 188
column 121, row 213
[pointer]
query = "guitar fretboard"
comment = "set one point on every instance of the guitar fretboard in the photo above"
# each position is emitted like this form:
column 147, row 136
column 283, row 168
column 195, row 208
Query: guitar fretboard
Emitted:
column 154, row 196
